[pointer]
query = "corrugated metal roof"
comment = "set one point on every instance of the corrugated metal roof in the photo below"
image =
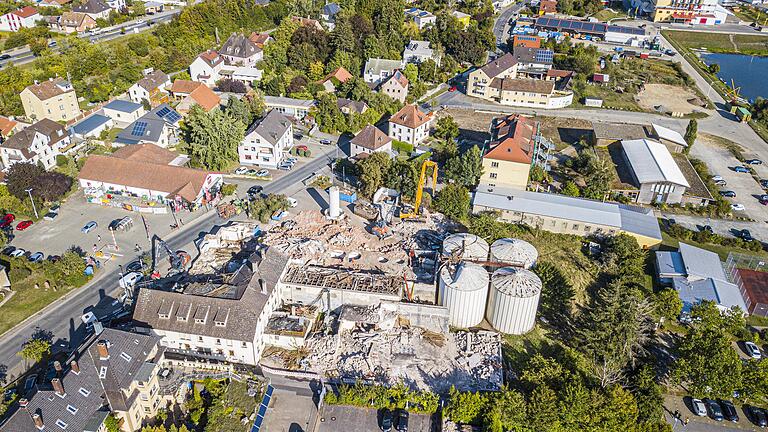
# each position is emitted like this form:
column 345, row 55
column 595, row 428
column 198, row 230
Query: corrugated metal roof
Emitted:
column 723, row 293
column 669, row 135
column 652, row 162
column 670, row 264
column 700, row 263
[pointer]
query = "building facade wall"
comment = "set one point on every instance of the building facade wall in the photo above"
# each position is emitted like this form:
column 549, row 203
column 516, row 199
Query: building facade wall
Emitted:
column 200, row 68
column 660, row 192
column 123, row 118
column 504, row 173
column 58, row 108
column 394, row 90
column 307, row 294
column 255, row 150
column 356, row 149
column 406, row 134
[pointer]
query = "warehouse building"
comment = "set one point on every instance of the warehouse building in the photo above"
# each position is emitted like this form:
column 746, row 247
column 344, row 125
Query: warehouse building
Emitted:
column 654, row 171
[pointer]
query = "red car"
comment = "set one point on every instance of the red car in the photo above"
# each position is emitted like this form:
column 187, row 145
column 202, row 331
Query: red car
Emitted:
column 452, row 89
column 7, row 220
column 23, row 225
column 301, row 148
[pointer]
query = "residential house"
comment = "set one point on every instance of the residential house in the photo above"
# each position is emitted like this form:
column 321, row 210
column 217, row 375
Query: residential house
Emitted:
column 119, row 6
column 145, row 170
column 201, row 96
column 113, row 371
column 410, row 125
column 654, row 171
column 328, row 15
column 159, row 127
column 422, row 18
column 527, row 41
column 206, row 68
column 123, row 112
column 335, row 78
column 547, row 7
column 370, row 139
column 419, row 52
column 260, row 39
column 25, row 17
column 94, row 8
column 225, row 321
column 395, row 86
column 181, row 88
column 307, row 22
column 8, row 126
column 91, row 127
column 294, row 108
column 377, row 70
column 54, row 99
column 568, row 215
column 39, row 143
column 76, row 22
column 238, row 50
column 153, row 7
column 697, row 275
column 511, row 152
column 246, row 75
column 348, row 106
column 462, row 18
column 152, row 88
column 267, row 141
column 53, row 3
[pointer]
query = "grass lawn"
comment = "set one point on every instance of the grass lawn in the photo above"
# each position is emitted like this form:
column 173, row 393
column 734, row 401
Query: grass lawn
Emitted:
column 720, row 43
column 750, row 14
column 668, row 242
column 608, row 14
column 612, row 99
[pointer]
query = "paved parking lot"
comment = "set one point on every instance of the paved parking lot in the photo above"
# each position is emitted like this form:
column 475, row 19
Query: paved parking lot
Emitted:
column 702, row 424
column 334, row 418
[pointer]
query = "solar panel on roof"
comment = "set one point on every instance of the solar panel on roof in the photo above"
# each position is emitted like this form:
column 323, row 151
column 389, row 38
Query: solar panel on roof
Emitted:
column 269, row 391
column 163, row 111
column 139, row 128
column 262, row 410
column 544, row 56
column 172, row 117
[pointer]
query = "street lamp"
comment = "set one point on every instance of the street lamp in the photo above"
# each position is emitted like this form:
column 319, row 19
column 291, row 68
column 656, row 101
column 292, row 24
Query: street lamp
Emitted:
column 29, row 191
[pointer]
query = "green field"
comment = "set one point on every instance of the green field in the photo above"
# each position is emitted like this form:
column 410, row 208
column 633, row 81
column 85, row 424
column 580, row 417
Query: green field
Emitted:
column 720, row 43
column 669, row 242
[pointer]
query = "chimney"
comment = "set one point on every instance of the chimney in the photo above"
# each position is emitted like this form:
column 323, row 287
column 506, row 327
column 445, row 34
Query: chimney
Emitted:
column 103, row 350
column 58, row 387
column 38, row 421
column 263, row 286
column 57, row 366
column 75, row 367
column 23, row 403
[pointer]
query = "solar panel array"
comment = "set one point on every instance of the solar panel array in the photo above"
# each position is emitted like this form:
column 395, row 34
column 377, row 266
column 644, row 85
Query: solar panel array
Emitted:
column 139, row 128
column 585, row 26
column 172, row 117
column 544, row 56
column 257, row 423
column 162, row 112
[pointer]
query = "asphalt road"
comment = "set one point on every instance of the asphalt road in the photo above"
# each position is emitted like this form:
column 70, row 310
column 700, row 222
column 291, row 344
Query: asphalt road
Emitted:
column 61, row 320
column 500, row 25
column 24, row 55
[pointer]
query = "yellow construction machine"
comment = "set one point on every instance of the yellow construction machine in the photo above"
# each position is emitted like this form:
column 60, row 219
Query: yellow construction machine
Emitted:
column 420, row 189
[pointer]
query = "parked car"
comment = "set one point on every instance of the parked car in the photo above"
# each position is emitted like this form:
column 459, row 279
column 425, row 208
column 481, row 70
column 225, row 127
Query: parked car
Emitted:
column 36, row 257
column 54, row 208
column 17, row 253
column 90, row 226
column 297, row 136
column 716, row 177
column 402, row 420
column 285, row 166
column 386, row 420
column 255, row 190
column 764, row 183
column 241, row 170
column 23, row 225
column 714, row 409
column 753, row 350
column 698, row 407
column 8, row 250
column 745, row 235
column 741, row 169
column 728, row 193
column 7, row 220
column 729, row 411
column 763, row 199
column 54, row 258
column 452, row 89
column 292, row 202
column 129, row 280
column 753, row 162
column 134, row 266
column 708, row 228
column 757, row 415
column 262, row 173
column 5, row 56
column 50, row 216
column 251, row 172
column 325, row 142
column 721, row 183
column 737, row 207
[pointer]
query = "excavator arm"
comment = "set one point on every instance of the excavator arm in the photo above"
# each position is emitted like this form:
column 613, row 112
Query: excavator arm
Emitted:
column 420, row 188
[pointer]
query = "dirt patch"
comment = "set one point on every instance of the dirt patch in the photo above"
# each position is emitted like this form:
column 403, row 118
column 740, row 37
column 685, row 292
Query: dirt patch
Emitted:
column 666, row 98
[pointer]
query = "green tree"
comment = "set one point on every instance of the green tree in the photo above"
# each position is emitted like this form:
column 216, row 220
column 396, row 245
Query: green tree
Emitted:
column 35, row 350
column 714, row 68
column 570, row 189
column 428, row 71
column 411, row 71
column 211, row 139
column 402, row 176
column 112, row 423
column 668, row 304
column 465, row 169
column 453, row 201
column 447, row 129
column 371, row 172
column 691, row 132
column 623, row 257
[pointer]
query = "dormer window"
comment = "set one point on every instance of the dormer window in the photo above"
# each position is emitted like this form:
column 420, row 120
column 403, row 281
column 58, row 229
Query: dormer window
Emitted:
column 84, row 392
column 61, row 424
column 125, row 356
column 72, row 409
column 163, row 316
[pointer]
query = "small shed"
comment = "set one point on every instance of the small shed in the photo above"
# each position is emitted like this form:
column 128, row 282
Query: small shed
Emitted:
column 601, row 78
column 593, row 102
column 743, row 114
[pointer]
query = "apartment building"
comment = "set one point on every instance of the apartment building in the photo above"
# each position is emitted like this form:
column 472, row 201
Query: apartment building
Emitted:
column 39, row 143
column 706, row 12
column 510, row 154
column 25, row 17
column 410, row 125
column 54, row 99
column 267, row 141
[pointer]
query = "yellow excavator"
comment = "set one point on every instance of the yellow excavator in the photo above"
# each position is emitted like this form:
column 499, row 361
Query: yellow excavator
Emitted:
column 420, row 189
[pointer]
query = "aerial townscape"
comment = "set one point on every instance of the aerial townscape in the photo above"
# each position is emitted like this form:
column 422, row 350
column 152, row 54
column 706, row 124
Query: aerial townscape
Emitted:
column 383, row 215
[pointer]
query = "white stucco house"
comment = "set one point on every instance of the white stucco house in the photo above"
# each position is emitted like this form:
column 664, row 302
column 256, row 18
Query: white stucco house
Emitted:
column 267, row 141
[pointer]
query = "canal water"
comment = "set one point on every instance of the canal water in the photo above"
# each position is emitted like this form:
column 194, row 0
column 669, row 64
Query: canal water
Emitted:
column 748, row 72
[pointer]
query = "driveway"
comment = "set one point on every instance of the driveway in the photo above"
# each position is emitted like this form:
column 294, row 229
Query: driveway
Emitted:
column 336, row 418
column 674, row 403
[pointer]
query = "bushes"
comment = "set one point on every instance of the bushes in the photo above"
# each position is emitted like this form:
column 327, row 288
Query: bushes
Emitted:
column 228, row 189
column 402, row 147
column 379, row 397
column 61, row 160
column 263, row 208
column 704, row 236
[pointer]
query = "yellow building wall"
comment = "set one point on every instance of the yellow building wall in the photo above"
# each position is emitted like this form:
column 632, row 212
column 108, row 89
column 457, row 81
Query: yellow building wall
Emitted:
column 504, row 173
column 62, row 107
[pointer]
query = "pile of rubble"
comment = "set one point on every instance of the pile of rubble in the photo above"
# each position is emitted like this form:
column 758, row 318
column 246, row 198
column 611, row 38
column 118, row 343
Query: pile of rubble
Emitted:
column 381, row 349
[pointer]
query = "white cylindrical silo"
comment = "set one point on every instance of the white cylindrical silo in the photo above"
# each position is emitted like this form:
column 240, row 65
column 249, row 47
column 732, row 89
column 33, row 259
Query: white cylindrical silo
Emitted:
column 334, row 211
column 514, row 252
column 464, row 290
column 465, row 246
column 513, row 300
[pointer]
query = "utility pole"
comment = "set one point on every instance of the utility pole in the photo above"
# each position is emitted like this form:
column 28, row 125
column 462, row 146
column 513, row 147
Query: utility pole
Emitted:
column 29, row 191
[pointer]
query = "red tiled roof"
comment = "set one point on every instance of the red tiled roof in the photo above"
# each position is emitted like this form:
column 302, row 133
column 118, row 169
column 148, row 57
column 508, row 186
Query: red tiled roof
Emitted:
column 7, row 125
column 410, row 116
column 515, row 140
column 205, row 97
column 26, row 12
column 340, row 74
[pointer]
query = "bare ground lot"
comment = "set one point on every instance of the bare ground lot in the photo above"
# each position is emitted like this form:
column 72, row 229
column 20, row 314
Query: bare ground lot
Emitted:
column 671, row 98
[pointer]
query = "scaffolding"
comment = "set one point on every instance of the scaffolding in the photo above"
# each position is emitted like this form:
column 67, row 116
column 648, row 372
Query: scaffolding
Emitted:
column 340, row 279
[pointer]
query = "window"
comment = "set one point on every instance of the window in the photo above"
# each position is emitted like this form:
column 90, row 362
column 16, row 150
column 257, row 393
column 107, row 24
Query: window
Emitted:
column 103, row 372
column 218, row 341
column 492, row 175
column 61, row 424
column 84, row 392
column 125, row 356
column 494, row 164
column 72, row 409
column 199, row 338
